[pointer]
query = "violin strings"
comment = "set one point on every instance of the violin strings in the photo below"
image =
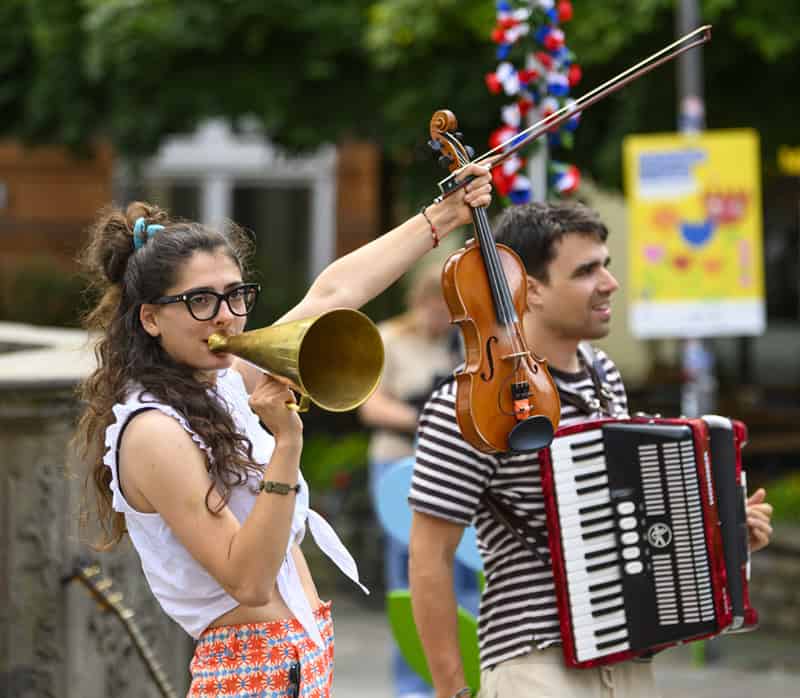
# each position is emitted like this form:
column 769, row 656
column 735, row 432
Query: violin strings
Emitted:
column 507, row 314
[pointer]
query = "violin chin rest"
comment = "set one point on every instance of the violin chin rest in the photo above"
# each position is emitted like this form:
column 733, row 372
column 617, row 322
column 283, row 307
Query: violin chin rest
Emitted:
column 531, row 434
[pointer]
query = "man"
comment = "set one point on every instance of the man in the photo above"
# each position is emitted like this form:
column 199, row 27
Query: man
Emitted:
column 569, row 289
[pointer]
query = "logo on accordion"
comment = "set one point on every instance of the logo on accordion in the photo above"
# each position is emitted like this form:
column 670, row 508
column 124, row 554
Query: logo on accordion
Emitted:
column 659, row 535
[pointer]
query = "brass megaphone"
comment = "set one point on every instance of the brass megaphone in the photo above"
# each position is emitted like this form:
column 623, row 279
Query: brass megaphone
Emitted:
column 335, row 359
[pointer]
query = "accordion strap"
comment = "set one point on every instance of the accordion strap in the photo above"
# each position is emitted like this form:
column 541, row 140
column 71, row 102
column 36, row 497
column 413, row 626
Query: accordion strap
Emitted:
column 603, row 401
column 516, row 526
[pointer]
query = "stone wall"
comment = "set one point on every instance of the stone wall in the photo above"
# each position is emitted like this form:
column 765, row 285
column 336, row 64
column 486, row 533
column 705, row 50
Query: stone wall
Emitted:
column 775, row 582
column 55, row 640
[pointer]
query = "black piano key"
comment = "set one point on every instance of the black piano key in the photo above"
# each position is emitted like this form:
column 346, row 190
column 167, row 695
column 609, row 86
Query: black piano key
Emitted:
column 592, row 488
column 600, row 519
column 608, row 631
column 587, row 444
column 600, row 553
column 610, row 643
column 606, row 597
column 608, row 611
column 589, row 476
column 602, row 566
column 594, row 507
column 597, row 533
column 600, row 586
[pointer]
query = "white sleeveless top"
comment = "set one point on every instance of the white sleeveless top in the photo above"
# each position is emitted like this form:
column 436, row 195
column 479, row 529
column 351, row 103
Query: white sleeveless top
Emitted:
column 185, row 590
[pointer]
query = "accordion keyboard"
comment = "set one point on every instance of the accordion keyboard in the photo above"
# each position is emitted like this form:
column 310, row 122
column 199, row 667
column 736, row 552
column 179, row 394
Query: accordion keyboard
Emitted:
column 633, row 545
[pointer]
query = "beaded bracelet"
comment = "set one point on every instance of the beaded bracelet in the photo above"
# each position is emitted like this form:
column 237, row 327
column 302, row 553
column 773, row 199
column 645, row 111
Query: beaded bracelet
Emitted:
column 434, row 232
column 465, row 692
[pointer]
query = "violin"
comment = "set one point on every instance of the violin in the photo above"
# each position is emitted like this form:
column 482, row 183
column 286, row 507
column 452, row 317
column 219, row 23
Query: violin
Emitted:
column 506, row 399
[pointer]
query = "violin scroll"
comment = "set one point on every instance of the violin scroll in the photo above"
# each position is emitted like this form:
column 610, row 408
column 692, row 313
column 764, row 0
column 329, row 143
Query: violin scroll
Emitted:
column 446, row 141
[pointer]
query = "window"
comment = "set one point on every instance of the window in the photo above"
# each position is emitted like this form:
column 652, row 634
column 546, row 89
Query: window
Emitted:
column 781, row 249
column 280, row 218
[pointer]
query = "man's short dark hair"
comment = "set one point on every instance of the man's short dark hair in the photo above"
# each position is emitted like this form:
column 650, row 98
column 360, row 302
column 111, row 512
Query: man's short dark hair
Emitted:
column 533, row 230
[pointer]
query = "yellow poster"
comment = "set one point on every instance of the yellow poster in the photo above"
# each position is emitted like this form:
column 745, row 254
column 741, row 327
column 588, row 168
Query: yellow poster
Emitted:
column 695, row 244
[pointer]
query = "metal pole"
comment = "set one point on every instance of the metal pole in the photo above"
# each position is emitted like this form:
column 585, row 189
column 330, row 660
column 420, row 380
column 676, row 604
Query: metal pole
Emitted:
column 691, row 105
column 698, row 395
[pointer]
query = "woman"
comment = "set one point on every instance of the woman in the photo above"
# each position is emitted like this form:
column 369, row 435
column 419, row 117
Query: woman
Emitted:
column 214, row 504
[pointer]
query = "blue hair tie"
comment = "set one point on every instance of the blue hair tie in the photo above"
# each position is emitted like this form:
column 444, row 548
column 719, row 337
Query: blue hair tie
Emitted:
column 143, row 232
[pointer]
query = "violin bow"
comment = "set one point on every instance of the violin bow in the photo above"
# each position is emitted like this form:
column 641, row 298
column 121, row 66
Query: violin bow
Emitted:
column 492, row 158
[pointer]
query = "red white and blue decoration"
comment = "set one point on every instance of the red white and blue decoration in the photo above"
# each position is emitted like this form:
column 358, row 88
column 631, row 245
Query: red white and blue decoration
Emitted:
column 544, row 81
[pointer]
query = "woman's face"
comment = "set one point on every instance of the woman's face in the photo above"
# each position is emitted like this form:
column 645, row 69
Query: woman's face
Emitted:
column 183, row 337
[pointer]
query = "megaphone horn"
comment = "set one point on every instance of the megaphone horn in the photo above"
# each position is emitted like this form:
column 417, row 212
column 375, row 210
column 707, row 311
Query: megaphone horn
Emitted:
column 335, row 359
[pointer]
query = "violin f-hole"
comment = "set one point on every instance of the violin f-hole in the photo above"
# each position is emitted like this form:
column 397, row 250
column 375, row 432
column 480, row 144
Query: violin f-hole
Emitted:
column 490, row 359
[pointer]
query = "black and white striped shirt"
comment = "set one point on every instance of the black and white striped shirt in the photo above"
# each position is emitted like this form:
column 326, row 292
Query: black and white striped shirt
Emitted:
column 518, row 606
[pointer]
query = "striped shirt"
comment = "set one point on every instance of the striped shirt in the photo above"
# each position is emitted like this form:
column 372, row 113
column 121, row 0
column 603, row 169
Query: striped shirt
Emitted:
column 518, row 606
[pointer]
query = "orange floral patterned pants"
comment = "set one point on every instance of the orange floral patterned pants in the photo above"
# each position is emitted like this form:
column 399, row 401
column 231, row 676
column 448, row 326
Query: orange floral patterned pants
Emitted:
column 260, row 660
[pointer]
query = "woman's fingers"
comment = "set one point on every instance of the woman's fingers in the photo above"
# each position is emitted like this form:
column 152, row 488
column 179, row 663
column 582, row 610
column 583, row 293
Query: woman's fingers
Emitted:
column 479, row 191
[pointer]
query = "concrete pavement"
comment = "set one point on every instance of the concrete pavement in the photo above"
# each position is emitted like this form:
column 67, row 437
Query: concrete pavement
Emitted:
column 756, row 664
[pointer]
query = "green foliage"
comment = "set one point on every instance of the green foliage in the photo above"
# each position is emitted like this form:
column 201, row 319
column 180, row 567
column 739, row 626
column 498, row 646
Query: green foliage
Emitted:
column 329, row 461
column 39, row 293
column 784, row 495
column 315, row 71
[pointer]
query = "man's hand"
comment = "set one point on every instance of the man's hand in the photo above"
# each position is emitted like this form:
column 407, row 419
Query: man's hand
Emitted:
column 759, row 514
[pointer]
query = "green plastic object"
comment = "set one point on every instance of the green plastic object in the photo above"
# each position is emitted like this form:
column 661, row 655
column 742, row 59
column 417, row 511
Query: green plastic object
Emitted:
column 401, row 620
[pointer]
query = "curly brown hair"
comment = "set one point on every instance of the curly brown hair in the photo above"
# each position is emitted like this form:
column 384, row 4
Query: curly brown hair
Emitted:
column 128, row 357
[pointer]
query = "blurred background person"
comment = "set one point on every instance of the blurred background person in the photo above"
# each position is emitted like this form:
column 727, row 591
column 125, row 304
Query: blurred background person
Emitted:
column 421, row 350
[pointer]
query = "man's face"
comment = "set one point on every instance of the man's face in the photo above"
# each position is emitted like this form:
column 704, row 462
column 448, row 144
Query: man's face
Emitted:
column 575, row 303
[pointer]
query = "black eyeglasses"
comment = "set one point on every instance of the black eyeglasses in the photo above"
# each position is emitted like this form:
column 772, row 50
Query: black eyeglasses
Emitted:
column 204, row 305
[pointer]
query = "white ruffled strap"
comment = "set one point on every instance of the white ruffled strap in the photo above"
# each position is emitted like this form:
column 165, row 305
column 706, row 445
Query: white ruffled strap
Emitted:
column 330, row 544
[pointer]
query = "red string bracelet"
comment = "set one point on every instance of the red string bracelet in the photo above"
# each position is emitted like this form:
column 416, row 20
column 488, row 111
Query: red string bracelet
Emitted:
column 434, row 232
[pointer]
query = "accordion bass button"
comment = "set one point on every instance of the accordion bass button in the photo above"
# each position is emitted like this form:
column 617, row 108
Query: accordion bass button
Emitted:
column 629, row 538
column 631, row 553
column 625, row 508
column 634, row 567
column 627, row 523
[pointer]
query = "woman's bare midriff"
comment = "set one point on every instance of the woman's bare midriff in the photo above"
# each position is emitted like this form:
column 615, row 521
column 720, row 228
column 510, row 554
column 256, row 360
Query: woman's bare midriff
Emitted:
column 276, row 609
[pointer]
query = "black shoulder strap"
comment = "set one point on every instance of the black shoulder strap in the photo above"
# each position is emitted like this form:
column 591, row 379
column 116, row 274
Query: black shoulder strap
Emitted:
column 604, row 400
column 515, row 525
column 119, row 441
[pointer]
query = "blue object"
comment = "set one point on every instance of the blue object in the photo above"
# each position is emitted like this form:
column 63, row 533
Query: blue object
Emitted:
column 390, row 483
column 391, row 503
column 143, row 232
column 697, row 234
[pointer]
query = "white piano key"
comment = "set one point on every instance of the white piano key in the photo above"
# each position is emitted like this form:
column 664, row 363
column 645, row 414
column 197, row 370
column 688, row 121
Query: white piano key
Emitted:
column 567, row 519
column 578, row 610
column 576, row 530
column 579, row 552
column 571, row 498
column 582, row 616
column 586, row 655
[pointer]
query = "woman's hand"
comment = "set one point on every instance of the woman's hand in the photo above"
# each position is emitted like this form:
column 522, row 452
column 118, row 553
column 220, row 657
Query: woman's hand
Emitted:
column 269, row 401
column 456, row 209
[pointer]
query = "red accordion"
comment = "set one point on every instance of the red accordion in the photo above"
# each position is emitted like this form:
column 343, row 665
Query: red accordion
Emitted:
column 648, row 534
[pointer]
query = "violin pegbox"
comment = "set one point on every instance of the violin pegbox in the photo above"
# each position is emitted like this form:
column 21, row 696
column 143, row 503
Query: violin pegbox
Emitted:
column 446, row 142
